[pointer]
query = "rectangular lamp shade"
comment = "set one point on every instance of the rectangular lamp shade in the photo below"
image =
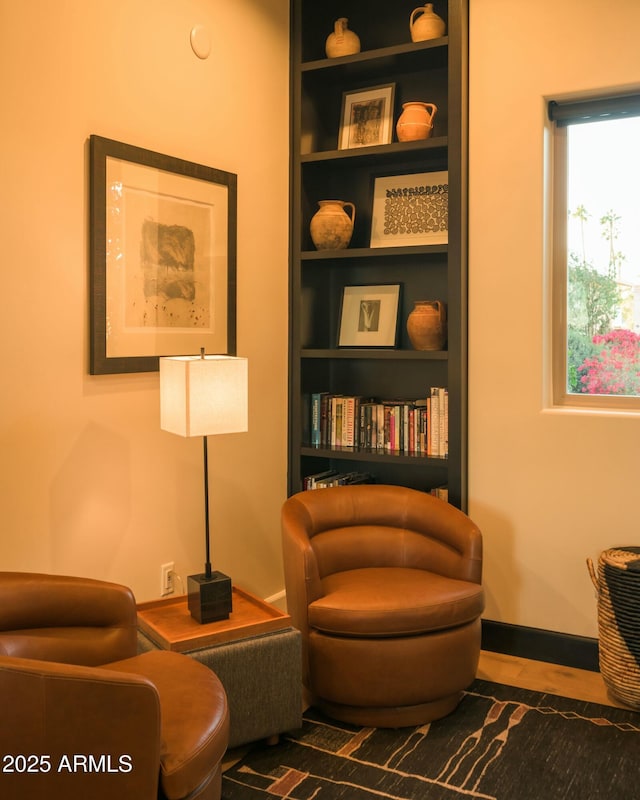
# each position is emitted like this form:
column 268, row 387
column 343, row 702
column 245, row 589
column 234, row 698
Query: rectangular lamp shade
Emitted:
column 203, row 396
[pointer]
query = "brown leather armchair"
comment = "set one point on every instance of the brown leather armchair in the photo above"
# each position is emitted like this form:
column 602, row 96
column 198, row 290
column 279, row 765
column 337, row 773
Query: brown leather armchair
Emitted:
column 384, row 582
column 83, row 716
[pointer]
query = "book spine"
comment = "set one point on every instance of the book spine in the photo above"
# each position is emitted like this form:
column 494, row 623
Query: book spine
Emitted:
column 324, row 426
column 445, row 425
column 366, row 415
column 435, row 422
column 406, row 435
column 316, row 401
column 349, row 421
column 413, row 445
column 332, row 417
column 380, row 443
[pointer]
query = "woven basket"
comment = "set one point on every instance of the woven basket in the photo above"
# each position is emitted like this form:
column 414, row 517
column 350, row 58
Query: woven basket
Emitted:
column 618, row 587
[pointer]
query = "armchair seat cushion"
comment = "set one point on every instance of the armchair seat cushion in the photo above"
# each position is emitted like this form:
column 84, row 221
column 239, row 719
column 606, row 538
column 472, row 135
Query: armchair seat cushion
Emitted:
column 194, row 720
column 382, row 602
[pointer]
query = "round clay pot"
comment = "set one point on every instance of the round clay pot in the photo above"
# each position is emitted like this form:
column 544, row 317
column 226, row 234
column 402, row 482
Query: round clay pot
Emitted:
column 427, row 325
column 331, row 227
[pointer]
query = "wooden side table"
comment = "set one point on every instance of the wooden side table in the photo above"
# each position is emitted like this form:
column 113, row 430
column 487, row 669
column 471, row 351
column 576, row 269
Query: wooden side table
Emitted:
column 256, row 653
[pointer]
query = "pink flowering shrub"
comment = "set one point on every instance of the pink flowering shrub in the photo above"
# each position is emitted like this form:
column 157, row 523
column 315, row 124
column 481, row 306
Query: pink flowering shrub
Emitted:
column 616, row 368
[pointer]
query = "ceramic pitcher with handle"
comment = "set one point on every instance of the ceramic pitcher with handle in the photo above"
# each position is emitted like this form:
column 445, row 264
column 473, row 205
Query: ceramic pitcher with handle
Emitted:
column 426, row 26
column 343, row 41
column 416, row 121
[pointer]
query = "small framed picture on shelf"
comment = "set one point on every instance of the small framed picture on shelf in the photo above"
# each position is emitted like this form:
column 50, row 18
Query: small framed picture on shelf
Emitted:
column 367, row 117
column 369, row 316
column 410, row 210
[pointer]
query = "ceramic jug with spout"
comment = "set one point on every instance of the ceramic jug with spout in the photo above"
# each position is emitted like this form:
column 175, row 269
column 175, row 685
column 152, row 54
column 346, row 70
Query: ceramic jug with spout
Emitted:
column 426, row 26
column 342, row 42
column 331, row 227
column 416, row 121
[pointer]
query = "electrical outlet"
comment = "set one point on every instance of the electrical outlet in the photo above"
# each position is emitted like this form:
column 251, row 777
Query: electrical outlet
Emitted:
column 166, row 579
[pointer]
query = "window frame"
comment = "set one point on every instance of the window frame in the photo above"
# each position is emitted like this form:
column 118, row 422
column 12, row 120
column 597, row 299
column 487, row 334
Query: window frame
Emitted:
column 562, row 115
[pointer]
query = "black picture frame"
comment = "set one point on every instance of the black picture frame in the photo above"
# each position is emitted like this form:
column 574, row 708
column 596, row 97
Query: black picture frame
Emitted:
column 367, row 117
column 163, row 244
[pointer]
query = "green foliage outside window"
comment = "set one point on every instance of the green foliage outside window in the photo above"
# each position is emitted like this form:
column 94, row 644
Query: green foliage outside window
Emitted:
column 602, row 359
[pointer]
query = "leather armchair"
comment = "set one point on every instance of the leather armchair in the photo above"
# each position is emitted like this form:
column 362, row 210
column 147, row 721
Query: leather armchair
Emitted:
column 384, row 583
column 84, row 716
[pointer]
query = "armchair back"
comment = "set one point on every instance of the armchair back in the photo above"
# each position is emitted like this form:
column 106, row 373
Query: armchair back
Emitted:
column 66, row 619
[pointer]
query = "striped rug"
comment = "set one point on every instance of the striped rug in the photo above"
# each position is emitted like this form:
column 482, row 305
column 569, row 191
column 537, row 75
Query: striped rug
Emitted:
column 501, row 743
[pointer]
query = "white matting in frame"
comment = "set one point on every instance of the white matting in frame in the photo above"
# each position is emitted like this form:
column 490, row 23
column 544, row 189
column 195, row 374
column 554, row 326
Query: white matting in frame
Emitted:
column 369, row 316
column 410, row 209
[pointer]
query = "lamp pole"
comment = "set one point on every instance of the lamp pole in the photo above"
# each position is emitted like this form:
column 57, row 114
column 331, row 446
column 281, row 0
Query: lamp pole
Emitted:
column 207, row 563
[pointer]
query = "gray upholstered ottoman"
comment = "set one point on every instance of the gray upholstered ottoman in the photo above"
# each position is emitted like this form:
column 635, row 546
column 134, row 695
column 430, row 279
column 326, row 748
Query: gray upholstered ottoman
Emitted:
column 262, row 676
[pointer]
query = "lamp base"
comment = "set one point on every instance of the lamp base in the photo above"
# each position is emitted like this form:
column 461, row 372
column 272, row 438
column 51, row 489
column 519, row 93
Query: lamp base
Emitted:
column 209, row 599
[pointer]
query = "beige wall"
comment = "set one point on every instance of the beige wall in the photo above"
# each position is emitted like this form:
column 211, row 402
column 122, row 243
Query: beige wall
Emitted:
column 548, row 488
column 89, row 483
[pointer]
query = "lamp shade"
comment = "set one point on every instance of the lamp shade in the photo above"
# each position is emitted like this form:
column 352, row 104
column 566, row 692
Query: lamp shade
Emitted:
column 203, row 396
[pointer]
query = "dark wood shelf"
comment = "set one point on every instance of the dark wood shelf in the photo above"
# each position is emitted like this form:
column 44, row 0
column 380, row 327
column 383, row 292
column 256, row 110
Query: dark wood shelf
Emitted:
column 373, row 252
column 431, row 53
column 378, row 153
column 434, row 71
column 375, row 354
column 362, row 454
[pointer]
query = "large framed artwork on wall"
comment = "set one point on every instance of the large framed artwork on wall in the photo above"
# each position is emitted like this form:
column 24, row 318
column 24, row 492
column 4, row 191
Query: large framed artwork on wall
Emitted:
column 162, row 258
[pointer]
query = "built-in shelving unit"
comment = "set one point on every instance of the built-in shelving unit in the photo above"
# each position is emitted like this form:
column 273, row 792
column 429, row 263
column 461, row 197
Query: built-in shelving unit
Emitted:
column 433, row 71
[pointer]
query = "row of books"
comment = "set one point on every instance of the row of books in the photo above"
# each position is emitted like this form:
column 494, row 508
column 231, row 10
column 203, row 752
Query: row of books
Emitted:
column 331, row 477
column 442, row 492
column 408, row 426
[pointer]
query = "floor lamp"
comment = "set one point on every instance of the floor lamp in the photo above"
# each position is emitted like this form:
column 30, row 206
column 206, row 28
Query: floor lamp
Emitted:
column 205, row 396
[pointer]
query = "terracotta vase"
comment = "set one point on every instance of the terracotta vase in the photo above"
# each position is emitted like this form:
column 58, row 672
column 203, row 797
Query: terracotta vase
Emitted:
column 416, row 121
column 331, row 227
column 427, row 26
column 427, row 325
column 342, row 42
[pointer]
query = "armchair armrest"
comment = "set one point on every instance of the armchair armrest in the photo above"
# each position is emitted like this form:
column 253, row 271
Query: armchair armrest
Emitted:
column 75, row 731
column 302, row 577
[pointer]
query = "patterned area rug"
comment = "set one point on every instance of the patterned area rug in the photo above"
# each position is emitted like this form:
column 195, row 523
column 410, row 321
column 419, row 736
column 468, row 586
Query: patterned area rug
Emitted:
column 501, row 743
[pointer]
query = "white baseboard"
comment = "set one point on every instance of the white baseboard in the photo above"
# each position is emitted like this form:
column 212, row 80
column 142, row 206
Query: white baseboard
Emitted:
column 279, row 600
